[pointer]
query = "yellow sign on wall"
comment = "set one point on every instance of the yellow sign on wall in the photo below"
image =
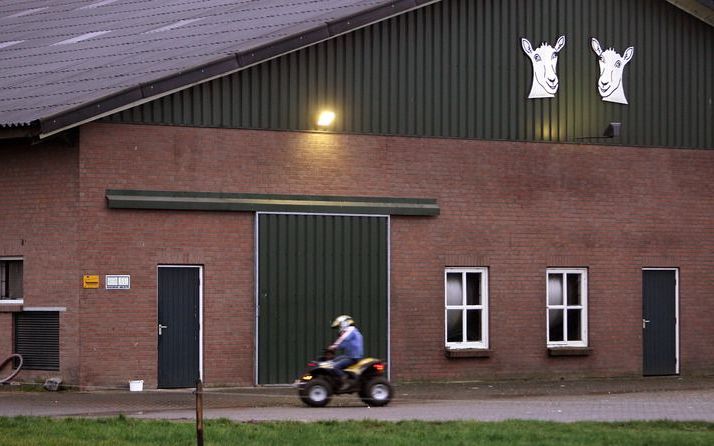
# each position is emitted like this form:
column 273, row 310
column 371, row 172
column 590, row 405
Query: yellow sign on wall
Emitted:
column 90, row 281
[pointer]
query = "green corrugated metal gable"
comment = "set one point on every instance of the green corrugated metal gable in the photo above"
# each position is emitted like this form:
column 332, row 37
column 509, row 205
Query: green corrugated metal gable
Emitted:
column 456, row 69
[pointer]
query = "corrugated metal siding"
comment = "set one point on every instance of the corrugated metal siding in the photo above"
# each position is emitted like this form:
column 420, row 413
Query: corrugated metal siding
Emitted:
column 312, row 268
column 456, row 69
column 37, row 339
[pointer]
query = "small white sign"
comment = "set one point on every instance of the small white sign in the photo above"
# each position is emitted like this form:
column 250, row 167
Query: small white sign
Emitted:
column 122, row 282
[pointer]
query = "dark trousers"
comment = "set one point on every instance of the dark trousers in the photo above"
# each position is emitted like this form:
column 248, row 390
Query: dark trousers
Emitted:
column 342, row 362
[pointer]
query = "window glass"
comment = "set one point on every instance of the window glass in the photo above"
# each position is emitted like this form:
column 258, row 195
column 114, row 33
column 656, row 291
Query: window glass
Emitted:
column 454, row 290
column 555, row 325
column 454, row 326
column 473, row 325
column 574, row 325
column 555, row 289
column 567, row 307
column 573, row 289
column 473, row 288
column 466, row 307
column 10, row 279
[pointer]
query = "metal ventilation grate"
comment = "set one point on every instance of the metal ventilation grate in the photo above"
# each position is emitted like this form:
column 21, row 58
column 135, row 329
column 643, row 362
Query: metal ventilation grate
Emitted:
column 37, row 339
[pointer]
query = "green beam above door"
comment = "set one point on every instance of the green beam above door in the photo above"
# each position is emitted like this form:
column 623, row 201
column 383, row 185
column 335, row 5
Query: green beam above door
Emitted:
column 237, row 202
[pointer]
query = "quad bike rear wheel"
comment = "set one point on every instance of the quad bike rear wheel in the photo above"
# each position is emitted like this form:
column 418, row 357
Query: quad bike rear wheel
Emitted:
column 316, row 393
column 376, row 392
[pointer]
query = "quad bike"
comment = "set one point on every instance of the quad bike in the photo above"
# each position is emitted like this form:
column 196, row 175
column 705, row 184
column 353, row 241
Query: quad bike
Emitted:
column 320, row 381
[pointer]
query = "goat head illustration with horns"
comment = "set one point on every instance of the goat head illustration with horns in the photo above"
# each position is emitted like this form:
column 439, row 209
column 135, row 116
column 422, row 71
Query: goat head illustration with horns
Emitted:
column 545, row 64
column 609, row 84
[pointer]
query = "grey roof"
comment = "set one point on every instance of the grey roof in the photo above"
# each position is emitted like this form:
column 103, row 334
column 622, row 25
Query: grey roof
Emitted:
column 66, row 61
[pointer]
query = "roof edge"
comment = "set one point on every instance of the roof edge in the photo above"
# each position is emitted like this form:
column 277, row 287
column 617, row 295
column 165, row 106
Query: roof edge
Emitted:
column 701, row 9
column 223, row 66
column 20, row 131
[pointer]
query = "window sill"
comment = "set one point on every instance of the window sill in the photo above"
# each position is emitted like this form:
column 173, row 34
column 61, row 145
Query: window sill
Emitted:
column 9, row 306
column 569, row 351
column 467, row 352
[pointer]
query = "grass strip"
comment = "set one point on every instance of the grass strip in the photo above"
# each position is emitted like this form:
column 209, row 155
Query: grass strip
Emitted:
column 25, row 431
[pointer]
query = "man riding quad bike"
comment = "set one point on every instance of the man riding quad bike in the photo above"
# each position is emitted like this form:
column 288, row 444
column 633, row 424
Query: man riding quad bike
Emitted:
column 346, row 373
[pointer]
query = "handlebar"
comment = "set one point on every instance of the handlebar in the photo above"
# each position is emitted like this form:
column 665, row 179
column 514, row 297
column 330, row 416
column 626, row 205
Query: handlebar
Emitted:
column 329, row 354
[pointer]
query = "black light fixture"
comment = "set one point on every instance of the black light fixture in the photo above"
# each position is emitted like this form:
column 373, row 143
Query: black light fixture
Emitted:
column 613, row 130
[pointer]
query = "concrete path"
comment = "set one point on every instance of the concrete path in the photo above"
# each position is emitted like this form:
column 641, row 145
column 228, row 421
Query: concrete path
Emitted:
column 672, row 405
column 674, row 398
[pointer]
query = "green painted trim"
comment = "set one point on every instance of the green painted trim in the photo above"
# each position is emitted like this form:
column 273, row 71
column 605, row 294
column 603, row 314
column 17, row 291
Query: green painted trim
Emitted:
column 218, row 201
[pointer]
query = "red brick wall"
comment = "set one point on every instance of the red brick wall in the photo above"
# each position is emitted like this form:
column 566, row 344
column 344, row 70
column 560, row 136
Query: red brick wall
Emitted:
column 5, row 340
column 119, row 328
column 517, row 208
column 38, row 216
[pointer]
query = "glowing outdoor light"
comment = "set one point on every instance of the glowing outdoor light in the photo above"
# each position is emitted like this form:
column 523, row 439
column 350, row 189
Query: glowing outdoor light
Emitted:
column 326, row 118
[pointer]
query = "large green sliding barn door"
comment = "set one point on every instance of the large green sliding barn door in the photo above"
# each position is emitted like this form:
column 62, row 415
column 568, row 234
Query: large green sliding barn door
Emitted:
column 312, row 268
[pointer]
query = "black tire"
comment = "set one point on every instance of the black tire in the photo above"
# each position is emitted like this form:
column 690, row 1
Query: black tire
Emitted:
column 362, row 392
column 17, row 357
column 376, row 392
column 316, row 393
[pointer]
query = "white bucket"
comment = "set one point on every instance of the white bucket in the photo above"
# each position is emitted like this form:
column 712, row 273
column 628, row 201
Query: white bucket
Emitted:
column 136, row 386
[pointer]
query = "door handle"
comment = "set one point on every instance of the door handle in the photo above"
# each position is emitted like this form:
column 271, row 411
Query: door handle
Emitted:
column 161, row 327
column 645, row 322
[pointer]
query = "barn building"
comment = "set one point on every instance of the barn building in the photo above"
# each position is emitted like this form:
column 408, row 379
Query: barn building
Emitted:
column 505, row 189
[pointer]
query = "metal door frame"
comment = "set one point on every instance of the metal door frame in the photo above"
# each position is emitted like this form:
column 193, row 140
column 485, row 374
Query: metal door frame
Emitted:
column 257, row 272
column 676, row 312
column 200, row 314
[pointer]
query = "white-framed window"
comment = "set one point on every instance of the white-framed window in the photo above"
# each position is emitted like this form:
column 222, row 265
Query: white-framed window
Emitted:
column 11, row 280
column 466, row 314
column 567, row 307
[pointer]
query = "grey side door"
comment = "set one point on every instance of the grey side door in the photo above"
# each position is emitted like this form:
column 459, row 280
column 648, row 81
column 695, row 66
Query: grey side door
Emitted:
column 179, row 326
column 659, row 322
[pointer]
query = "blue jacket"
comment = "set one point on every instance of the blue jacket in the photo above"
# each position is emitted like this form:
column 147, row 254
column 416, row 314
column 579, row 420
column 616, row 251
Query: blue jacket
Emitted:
column 351, row 343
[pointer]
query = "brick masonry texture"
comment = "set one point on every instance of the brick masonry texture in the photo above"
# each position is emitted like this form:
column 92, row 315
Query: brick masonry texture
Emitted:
column 516, row 208
column 39, row 188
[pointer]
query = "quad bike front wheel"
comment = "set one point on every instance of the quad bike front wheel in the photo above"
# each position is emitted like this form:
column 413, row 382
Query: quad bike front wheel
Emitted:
column 376, row 392
column 316, row 393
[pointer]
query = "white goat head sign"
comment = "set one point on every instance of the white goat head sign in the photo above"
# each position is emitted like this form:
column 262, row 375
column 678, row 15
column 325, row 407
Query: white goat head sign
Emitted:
column 545, row 63
column 609, row 84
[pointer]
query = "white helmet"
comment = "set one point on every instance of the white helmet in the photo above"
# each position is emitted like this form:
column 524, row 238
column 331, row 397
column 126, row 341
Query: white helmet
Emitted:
column 343, row 322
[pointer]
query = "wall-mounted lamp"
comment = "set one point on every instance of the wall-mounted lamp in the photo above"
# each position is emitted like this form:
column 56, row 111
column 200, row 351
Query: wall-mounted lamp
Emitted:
column 613, row 129
column 326, row 118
